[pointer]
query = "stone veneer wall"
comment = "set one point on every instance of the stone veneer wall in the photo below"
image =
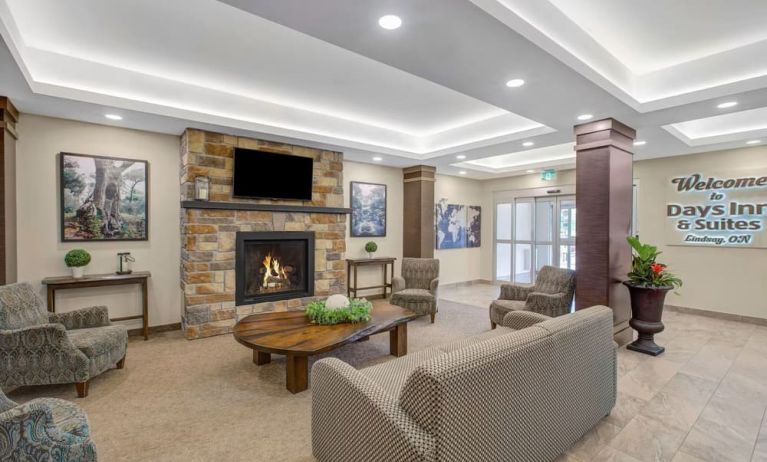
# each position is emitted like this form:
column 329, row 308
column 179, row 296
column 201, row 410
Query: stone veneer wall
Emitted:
column 208, row 236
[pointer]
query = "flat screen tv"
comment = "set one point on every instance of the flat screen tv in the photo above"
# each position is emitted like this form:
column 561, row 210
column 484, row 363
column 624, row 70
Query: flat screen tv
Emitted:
column 259, row 174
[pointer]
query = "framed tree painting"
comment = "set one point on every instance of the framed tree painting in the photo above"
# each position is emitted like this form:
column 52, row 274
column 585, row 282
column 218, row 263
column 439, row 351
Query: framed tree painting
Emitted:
column 474, row 226
column 368, row 204
column 103, row 198
column 450, row 226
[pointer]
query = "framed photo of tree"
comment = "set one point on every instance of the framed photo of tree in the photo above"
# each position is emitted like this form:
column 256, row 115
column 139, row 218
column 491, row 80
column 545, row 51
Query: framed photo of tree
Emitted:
column 103, row 198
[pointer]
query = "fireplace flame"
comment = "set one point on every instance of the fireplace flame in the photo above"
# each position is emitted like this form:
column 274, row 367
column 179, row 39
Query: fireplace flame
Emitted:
column 273, row 271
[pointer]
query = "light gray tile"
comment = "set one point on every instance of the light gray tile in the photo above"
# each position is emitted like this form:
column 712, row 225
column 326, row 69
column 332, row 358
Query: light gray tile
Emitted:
column 626, row 408
column 684, row 457
column 648, row 378
column 648, row 440
column 593, row 441
column 681, row 401
column 609, row 454
column 760, row 450
column 712, row 361
column 713, row 441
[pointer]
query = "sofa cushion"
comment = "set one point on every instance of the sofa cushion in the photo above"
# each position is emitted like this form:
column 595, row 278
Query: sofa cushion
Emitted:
column 20, row 307
column 413, row 295
column 464, row 342
column 97, row 341
column 499, row 309
column 391, row 375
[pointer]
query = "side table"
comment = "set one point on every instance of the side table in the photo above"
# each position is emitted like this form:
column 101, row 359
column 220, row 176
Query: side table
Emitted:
column 351, row 267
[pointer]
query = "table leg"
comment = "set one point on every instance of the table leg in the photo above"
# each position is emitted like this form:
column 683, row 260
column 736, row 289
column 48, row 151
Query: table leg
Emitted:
column 355, row 281
column 391, row 279
column 145, row 308
column 348, row 279
column 398, row 340
column 51, row 299
column 261, row 358
column 297, row 373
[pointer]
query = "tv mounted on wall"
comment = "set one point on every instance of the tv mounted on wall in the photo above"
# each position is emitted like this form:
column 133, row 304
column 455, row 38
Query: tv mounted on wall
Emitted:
column 259, row 174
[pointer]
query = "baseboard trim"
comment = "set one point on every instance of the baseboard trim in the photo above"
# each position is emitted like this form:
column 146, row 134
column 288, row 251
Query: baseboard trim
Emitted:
column 718, row 315
column 155, row 329
column 466, row 283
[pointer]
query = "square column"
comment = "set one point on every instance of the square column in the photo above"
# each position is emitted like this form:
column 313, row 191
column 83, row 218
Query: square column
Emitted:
column 418, row 211
column 8, row 135
column 604, row 189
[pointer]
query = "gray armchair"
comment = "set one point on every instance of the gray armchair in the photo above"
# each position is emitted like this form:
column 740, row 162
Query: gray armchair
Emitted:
column 41, row 348
column 44, row 429
column 416, row 289
column 551, row 295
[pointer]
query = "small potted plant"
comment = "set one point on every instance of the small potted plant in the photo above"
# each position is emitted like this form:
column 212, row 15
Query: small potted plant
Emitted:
column 77, row 259
column 371, row 248
column 648, row 284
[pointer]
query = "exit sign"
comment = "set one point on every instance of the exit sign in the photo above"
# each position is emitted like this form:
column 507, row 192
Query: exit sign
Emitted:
column 548, row 175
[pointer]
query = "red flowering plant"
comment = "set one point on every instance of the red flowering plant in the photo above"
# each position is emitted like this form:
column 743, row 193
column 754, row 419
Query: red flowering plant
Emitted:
column 645, row 271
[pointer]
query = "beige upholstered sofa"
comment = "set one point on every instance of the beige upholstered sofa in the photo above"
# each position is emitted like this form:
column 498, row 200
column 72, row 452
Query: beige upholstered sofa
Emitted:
column 504, row 395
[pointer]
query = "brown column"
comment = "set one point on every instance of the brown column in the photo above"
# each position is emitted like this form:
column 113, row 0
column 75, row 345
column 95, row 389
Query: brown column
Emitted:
column 8, row 118
column 418, row 216
column 604, row 181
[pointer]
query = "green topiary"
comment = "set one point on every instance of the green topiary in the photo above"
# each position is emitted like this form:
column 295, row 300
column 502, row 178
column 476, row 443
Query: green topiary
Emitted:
column 371, row 247
column 358, row 310
column 77, row 257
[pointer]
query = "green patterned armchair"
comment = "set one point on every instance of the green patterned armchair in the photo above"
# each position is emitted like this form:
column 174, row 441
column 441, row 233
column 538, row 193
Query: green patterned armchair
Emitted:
column 41, row 348
column 416, row 289
column 551, row 295
column 44, row 430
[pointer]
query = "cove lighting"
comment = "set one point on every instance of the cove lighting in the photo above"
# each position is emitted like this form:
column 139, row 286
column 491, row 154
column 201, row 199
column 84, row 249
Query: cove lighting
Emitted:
column 462, row 172
column 515, row 83
column 527, row 144
column 640, row 142
column 531, row 171
column 727, row 104
column 460, row 157
column 585, row 117
column 753, row 141
column 390, row 22
column 377, row 159
column 113, row 117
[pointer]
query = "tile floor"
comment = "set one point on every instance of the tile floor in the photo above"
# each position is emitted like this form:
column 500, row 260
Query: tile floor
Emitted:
column 704, row 399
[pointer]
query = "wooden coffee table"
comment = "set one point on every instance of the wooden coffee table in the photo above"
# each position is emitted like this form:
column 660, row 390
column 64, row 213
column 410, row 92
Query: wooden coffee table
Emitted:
column 290, row 333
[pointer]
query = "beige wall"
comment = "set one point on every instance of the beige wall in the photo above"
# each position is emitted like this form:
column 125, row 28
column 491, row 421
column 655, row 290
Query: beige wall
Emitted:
column 460, row 265
column 40, row 251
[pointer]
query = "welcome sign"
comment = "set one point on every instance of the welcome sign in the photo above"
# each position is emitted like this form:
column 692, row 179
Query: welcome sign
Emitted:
column 717, row 210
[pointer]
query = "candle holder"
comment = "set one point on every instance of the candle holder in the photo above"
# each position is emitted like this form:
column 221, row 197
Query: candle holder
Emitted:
column 202, row 188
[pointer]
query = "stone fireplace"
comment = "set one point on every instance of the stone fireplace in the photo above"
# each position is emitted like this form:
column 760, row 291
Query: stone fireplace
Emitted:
column 273, row 266
column 226, row 241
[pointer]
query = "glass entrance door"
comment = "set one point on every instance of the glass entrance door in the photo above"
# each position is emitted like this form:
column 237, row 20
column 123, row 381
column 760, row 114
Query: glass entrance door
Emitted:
column 529, row 231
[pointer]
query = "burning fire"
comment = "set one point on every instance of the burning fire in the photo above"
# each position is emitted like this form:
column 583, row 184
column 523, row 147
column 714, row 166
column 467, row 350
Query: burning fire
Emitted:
column 273, row 271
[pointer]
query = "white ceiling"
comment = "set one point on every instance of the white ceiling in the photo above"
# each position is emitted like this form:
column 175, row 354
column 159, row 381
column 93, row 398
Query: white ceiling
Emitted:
column 324, row 73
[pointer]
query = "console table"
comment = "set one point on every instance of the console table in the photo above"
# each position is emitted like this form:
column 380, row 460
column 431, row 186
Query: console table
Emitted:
column 99, row 280
column 353, row 263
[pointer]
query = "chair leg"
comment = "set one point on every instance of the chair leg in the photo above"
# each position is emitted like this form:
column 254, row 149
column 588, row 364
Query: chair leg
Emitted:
column 82, row 388
column 493, row 325
column 433, row 315
column 121, row 363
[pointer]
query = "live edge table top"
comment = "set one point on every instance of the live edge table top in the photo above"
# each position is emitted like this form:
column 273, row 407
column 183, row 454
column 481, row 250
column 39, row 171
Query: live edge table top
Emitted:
column 291, row 332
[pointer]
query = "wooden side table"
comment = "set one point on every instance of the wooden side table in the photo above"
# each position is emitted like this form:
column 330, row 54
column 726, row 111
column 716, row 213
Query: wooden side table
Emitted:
column 99, row 280
column 353, row 263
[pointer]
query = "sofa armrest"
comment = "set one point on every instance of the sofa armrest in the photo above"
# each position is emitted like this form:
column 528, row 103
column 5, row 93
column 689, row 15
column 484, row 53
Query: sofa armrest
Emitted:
column 354, row 419
column 397, row 284
column 92, row 316
column 515, row 292
column 549, row 304
column 434, row 286
column 522, row 319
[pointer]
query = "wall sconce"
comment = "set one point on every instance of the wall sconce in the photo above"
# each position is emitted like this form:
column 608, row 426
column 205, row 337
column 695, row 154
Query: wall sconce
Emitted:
column 202, row 188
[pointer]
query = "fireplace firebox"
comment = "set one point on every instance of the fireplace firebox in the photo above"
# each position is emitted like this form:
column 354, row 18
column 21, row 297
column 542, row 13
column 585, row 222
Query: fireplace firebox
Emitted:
column 273, row 266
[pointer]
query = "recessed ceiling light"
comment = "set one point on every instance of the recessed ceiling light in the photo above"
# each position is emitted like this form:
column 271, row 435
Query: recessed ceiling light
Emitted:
column 640, row 142
column 527, row 144
column 462, row 172
column 727, row 104
column 585, row 117
column 390, row 22
column 531, row 171
column 113, row 117
column 514, row 83
column 377, row 159
column 753, row 141
column 460, row 157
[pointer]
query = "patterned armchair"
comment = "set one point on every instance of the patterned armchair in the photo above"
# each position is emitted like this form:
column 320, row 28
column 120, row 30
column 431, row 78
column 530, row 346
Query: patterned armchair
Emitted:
column 41, row 348
column 43, row 430
column 416, row 289
column 552, row 295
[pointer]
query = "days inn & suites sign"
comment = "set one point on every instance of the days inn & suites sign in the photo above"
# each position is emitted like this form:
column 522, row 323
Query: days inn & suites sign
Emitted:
column 717, row 211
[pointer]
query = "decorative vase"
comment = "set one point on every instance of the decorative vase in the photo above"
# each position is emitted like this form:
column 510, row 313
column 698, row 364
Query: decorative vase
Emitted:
column 77, row 272
column 646, row 313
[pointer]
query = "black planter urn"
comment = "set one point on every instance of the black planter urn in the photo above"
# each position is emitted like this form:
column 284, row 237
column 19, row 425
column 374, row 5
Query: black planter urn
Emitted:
column 646, row 313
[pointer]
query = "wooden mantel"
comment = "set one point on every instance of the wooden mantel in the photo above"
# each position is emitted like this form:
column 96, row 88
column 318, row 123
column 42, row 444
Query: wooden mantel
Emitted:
column 263, row 207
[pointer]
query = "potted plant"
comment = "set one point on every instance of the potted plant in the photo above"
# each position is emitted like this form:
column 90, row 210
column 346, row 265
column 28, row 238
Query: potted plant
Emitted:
column 77, row 259
column 648, row 284
column 370, row 248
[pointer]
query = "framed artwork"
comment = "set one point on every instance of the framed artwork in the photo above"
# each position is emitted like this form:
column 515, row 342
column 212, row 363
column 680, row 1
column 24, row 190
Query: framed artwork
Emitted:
column 103, row 198
column 474, row 226
column 450, row 229
column 368, row 204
